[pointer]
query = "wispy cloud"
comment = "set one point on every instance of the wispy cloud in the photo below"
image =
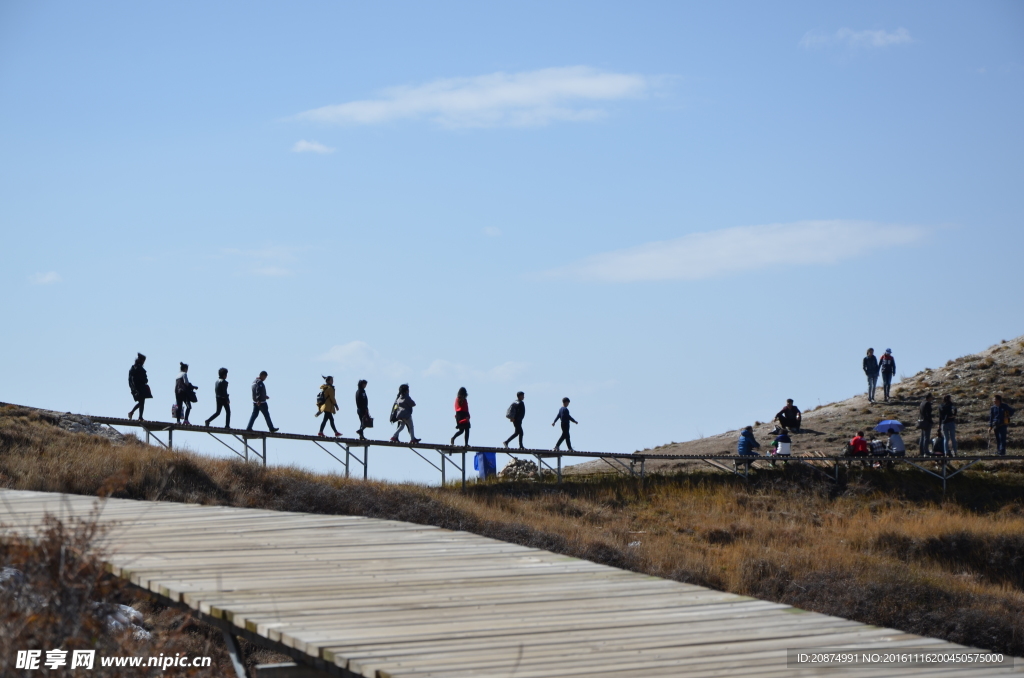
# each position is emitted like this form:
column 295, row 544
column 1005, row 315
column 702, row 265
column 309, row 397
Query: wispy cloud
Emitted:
column 856, row 39
column 503, row 372
column 735, row 250
column 358, row 356
column 273, row 261
column 45, row 278
column 496, row 100
column 303, row 146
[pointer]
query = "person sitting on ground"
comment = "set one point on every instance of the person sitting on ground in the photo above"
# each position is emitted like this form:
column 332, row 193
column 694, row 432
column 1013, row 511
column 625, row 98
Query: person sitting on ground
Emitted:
column 858, row 446
column 327, row 406
column 790, row 417
column 938, row 445
column 782, row 445
column 878, row 448
column 747, row 443
column 896, row 446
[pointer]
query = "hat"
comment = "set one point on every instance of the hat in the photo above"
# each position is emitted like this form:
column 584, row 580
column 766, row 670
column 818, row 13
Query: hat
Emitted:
column 888, row 350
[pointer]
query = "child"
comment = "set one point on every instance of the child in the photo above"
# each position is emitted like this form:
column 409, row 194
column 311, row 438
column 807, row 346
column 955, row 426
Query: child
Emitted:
column 220, row 390
column 783, row 444
column 565, row 417
column 461, row 415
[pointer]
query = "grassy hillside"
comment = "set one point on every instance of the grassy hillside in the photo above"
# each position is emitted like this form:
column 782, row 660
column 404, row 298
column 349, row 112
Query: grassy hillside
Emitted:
column 881, row 547
column 971, row 380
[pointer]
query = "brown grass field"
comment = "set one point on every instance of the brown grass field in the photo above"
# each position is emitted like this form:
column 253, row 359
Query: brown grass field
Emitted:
column 882, row 546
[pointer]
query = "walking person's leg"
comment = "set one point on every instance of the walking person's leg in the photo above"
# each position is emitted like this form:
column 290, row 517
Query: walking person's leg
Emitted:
column 227, row 414
column 323, row 422
column 1001, row 440
column 872, row 385
column 265, row 409
column 130, row 413
column 926, row 439
column 252, row 419
column 561, row 438
column 568, row 439
column 412, row 432
column 142, row 408
column 181, row 412
column 519, row 432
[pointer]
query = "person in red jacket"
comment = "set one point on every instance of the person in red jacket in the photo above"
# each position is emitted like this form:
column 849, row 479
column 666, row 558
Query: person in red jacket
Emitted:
column 461, row 416
column 858, row 446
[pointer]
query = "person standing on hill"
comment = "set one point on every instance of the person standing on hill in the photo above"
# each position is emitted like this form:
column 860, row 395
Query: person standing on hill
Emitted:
column 220, row 390
column 184, row 394
column 790, row 416
column 947, row 425
column 871, row 370
column 887, row 367
column 259, row 402
column 401, row 413
column 327, row 405
column 999, row 421
column 746, row 445
column 515, row 413
column 363, row 409
column 925, row 422
column 462, row 415
column 564, row 416
column 138, row 382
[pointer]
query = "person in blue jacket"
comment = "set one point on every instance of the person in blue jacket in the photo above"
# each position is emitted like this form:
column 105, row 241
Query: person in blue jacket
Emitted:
column 746, row 445
column 887, row 367
column 871, row 370
column 998, row 421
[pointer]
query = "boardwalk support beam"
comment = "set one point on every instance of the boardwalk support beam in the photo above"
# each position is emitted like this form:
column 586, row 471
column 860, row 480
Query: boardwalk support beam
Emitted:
column 235, row 652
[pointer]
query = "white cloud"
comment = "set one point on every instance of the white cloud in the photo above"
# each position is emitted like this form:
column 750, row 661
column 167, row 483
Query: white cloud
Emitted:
column 45, row 278
column 272, row 261
column 734, row 250
column 856, row 39
column 503, row 372
column 358, row 356
column 492, row 231
column 496, row 100
column 303, row 146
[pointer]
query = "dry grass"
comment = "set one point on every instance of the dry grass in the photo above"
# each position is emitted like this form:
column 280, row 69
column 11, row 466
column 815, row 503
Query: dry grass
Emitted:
column 882, row 547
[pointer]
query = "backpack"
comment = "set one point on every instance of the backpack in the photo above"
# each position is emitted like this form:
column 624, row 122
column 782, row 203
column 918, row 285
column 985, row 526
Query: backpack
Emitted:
column 179, row 387
column 321, row 398
column 394, row 413
column 510, row 413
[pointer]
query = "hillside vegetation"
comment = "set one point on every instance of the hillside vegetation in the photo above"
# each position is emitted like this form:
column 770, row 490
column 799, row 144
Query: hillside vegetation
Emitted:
column 881, row 547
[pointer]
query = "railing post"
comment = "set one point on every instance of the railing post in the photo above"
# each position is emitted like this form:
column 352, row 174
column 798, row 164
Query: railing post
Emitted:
column 559, row 469
column 245, row 444
column 366, row 454
column 442, row 469
column 147, row 436
column 170, row 438
column 463, row 469
column 264, row 451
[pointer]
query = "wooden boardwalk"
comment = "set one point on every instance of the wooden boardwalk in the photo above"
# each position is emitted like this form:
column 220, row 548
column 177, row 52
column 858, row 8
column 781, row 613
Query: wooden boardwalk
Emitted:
column 383, row 598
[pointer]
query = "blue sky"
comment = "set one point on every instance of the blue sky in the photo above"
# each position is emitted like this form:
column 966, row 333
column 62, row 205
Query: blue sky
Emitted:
column 676, row 214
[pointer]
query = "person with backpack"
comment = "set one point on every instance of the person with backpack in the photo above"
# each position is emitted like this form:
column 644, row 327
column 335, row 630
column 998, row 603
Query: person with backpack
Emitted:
column 461, row 415
column 259, row 403
column 363, row 409
column 746, row 445
column 887, row 368
column 138, row 382
column 220, row 391
column 947, row 425
column 401, row 413
column 327, row 405
column 564, row 416
column 925, row 421
column 999, row 421
column 790, row 416
column 515, row 413
column 184, row 395
column 871, row 370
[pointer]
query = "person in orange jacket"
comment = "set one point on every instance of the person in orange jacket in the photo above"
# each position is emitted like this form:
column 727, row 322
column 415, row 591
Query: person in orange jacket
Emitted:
column 858, row 446
column 461, row 416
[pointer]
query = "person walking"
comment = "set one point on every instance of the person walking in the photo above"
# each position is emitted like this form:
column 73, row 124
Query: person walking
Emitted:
column 363, row 409
column 259, row 403
column 564, row 416
column 462, row 415
column 184, row 394
column 515, row 413
column 327, row 405
column 999, row 421
column 871, row 370
column 947, row 425
column 925, row 422
column 220, row 391
column 790, row 416
column 401, row 413
column 887, row 368
column 138, row 382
